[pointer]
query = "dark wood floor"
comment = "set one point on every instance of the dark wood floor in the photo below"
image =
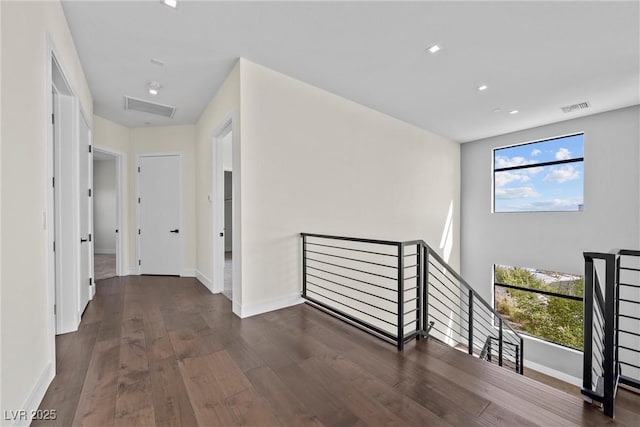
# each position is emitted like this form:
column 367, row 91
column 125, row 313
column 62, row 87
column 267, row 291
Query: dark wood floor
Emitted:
column 164, row 351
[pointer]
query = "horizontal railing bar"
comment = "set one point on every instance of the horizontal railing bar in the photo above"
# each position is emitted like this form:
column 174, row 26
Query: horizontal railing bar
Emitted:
column 631, row 382
column 410, row 278
column 354, row 289
column 443, row 285
column 463, row 283
column 628, row 364
column 352, row 269
column 363, row 324
column 410, row 266
column 451, row 319
column 629, row 300
column 538, row 291
column 351, row 298
column 629, row 332
column 351, row 278
column 628, row 316
column 410, row 289
column 630, row 252
column 451, row 331
column 394, row 267
column 353, row 239
column 352, row 249
column 409, row 255
column 351, row 308
column 412, row 243
column 635, row 350
column 465, row 312
column 629, row 285
column 441, row 302
column 411, row 300
column 630, row 268
column 409, row 312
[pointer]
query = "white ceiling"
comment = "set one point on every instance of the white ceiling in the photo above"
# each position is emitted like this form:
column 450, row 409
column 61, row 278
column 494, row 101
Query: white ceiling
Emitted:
column 535, row 56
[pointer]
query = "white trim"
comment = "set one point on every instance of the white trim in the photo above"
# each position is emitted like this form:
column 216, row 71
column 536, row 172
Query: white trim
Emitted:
column 181, row 197
column 553, row 373
column 133, row 271
column 188, row 272
column 267, row 305
column 104, row 252
column 204, row 280
column 36, row 395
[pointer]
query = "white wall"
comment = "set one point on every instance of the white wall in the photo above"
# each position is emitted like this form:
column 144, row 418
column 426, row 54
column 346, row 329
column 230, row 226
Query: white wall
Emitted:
column 27, row 311
column 312, row 161
column 104, row 206
column 168, row 139
column 554, row 241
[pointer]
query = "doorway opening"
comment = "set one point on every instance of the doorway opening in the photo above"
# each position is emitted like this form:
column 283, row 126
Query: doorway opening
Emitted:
column 107, row 217
column 225, row 253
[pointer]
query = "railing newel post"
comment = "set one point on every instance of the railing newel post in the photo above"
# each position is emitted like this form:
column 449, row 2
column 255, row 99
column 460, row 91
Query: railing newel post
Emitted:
column 419, row 286
column 470, row 325
column 400, row 296
column 304, row 265
column 500, row 344
column 425, row 292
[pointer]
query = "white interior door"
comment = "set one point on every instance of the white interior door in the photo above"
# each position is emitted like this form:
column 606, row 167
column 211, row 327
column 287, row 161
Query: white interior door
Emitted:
column 84, row 198
column 66, row 216
column 159, row 215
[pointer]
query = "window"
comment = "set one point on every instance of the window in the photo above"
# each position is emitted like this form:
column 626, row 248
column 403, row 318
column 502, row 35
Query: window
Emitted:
column 544, row 304
column 545, row 175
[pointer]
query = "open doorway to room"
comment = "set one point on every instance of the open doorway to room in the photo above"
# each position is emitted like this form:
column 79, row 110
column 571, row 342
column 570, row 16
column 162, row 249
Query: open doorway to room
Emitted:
column 105, row 215
column 223, row 211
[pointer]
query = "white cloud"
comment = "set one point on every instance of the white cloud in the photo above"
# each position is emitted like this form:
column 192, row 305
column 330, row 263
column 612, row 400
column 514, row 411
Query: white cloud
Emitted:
column 563, row 154
column 516, row 193
column 507, row 162
column 563, row 174
column 536, row 152
column 504, row 178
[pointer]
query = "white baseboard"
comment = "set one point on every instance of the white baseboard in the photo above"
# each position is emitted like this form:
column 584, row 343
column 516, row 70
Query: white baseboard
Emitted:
column 247, row 310
column 104, row 251
column 204, row 280
column 553, row 373
column 133, row 271
column 35, row 397
column 188, row 272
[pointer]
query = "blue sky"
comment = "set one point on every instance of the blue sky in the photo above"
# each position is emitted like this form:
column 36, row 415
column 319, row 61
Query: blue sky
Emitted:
column 540, row 188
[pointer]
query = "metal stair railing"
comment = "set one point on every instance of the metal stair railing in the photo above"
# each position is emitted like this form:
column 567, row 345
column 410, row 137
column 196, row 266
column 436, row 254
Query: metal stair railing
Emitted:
column 611, row 326
column 399, row 291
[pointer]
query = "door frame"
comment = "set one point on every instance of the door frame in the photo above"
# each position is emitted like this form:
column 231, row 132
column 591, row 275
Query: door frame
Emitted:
column 119, row 158
column 180, row 211
column 217, row 211
column 49, row 218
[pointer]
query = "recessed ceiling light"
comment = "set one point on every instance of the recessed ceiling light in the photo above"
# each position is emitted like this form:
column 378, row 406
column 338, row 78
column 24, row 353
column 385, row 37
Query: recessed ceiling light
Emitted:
column 514, row 112
column 154, row 87
column 482, row 87
column 171, row 3
column 433, row 49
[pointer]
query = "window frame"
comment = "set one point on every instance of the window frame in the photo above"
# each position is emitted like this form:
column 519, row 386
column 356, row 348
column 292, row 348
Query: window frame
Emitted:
column 533, row 291
column 494, row 170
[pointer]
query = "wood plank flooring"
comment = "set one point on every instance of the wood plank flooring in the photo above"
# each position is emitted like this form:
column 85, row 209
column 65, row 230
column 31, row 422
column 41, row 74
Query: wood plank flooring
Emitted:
column 163, row 351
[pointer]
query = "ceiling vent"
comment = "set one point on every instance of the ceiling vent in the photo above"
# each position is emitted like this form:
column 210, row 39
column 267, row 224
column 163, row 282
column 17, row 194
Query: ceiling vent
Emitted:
column 575, row 107
column 136, row 104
